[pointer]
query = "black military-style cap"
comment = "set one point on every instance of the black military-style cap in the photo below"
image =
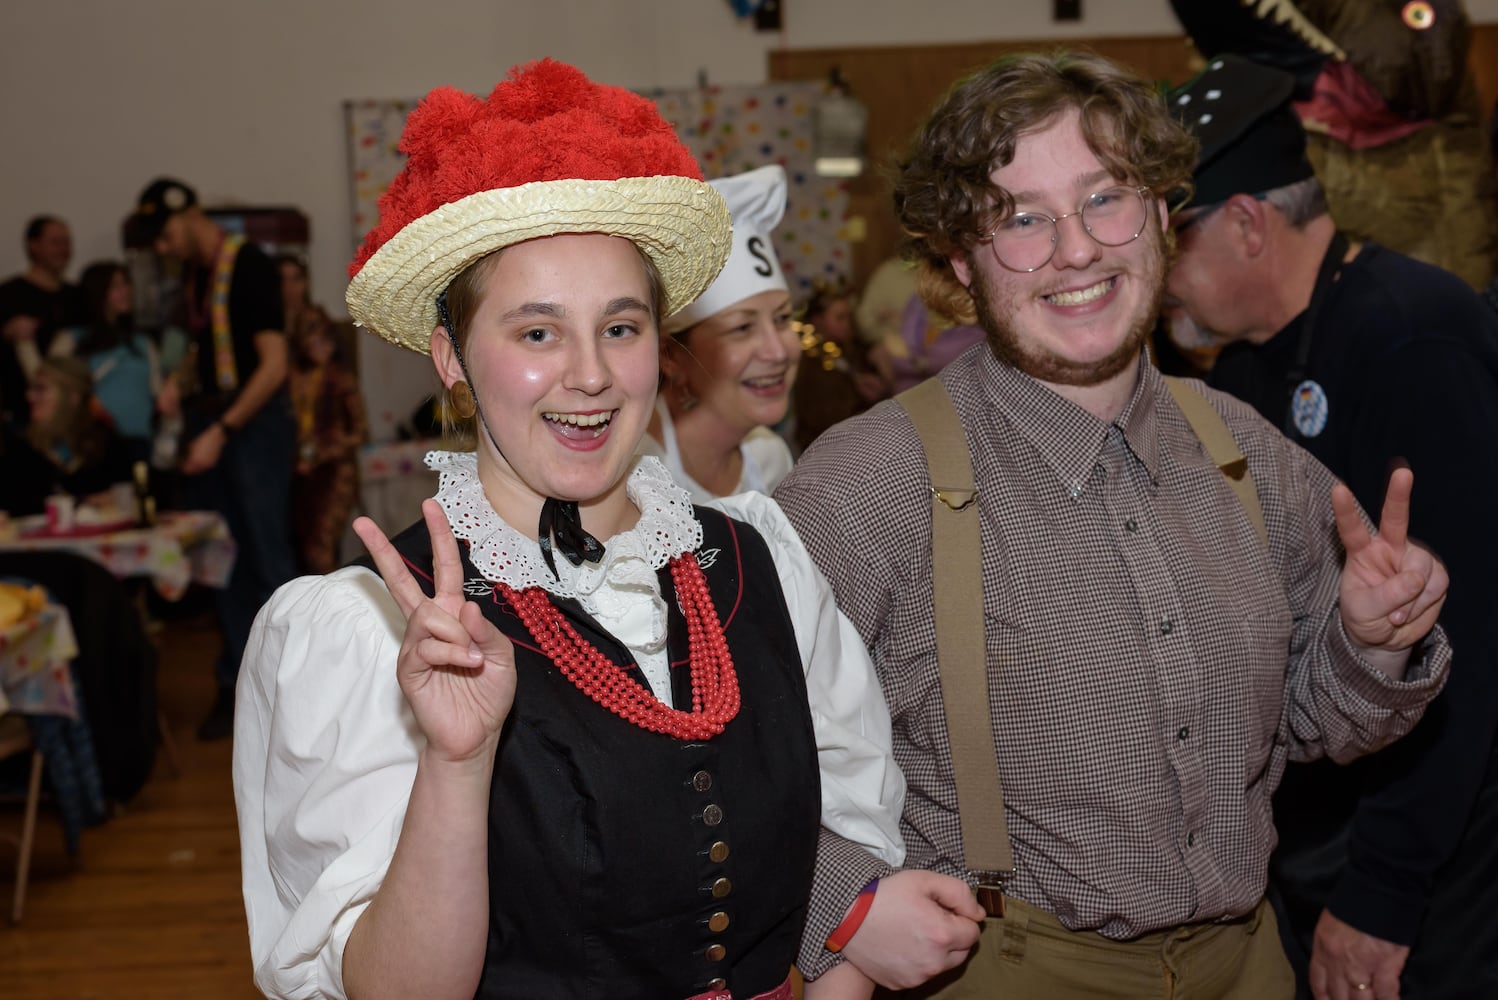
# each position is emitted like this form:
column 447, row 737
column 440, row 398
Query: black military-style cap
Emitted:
column 1251, row 138
column 158, row 201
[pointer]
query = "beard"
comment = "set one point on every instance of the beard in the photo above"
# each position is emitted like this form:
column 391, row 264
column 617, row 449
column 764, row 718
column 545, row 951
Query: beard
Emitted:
column 1010, row 345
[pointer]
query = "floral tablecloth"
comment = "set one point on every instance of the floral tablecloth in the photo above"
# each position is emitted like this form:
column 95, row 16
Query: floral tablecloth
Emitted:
column 185, row 546
column 36, row 681
column 34, row 674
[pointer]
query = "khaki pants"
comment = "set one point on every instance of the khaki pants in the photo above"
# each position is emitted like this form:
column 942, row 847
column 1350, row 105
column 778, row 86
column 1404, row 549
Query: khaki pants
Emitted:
column 1028, row 954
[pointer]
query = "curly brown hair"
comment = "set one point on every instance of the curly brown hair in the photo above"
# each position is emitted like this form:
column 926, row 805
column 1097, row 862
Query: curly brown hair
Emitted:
column 944, row 197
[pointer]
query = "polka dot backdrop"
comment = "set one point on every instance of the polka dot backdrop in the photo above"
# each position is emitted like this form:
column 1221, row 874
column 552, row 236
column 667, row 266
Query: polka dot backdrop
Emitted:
column 734, row 129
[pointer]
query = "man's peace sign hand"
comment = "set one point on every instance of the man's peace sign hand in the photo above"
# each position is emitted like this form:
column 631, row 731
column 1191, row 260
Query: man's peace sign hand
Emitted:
column 1392, row 589
column 455, row 668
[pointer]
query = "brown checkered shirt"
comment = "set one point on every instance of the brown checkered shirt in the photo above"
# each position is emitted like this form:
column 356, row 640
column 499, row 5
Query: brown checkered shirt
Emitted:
column 1159, row 665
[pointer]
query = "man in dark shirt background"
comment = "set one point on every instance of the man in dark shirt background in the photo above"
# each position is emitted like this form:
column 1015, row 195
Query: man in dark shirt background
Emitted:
column 240, row 435
column 1387, row 870
column 34, row 305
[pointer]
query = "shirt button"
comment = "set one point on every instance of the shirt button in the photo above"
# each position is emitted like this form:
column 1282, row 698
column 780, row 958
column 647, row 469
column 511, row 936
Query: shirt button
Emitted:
column 721, row 888
column 1190, row 840
column 712, row 815
column 718, row 852
column 702, row 781
column 1131, row 525
column 1183, row 733
column 718, row 922
column 1167, row 626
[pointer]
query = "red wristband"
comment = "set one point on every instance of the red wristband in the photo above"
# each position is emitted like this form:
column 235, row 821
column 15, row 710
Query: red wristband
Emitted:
column 844, row 932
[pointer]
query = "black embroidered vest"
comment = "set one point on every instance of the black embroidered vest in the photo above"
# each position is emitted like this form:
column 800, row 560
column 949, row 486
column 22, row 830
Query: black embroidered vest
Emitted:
column 628, row 864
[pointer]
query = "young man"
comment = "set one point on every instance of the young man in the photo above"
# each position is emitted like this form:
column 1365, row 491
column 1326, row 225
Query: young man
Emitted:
column 1367, row 359
column 1152, row 663
column 34, row 305
column 240, row 439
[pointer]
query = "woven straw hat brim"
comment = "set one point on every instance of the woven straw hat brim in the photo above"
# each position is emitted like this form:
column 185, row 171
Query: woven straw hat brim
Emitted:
column 681, row 224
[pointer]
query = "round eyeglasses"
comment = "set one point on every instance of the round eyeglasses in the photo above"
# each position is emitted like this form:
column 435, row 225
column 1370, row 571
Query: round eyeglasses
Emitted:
column 1026, row 241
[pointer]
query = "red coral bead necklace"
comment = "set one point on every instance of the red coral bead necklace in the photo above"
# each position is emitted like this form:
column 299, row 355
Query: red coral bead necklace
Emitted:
column 715, row 685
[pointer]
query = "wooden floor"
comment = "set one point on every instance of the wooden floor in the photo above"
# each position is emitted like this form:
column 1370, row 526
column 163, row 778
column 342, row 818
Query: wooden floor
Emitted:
column 151, row 906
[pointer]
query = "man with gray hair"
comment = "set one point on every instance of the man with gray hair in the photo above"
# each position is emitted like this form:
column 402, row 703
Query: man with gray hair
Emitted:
column 1386, row 870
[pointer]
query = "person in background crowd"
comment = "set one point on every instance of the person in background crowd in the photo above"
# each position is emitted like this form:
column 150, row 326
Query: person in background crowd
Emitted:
column 302, row 315
column 239, row 435
column 69, row 444
column 1158, row 643
column 331, row 428
column 126, row 365
column 927, row 343
column 34, row 305
column 484, row 777
column 1386, row 872
column 835, row 380
column 730, row 361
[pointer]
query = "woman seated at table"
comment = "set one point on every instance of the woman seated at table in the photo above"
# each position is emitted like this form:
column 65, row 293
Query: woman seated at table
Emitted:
column 484, row 776
column 70, row 445
column 126, row 365
column 731, row 359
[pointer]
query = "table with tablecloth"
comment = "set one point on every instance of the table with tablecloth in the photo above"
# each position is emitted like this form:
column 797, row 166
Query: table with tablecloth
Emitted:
column 183, row 547
column 36, row 681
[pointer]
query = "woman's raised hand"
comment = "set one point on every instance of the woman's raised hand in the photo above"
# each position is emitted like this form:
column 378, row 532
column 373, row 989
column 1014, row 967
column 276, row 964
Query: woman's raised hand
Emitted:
column 455, row 668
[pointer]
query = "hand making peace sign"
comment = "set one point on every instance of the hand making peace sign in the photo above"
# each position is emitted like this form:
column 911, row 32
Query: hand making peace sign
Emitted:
column 1392, row 589
column 455, row 668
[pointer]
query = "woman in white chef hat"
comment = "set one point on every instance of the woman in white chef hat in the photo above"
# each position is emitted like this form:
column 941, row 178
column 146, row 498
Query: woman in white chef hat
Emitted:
column 730, row 359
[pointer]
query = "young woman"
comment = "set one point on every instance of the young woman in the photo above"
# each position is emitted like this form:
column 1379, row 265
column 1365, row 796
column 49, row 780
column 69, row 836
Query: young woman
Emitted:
column 731, row 359
column 578, row 736
column 69, row 444
column 126, row 365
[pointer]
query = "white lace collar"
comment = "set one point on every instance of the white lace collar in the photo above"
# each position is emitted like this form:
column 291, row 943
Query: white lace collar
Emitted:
column 667, row 528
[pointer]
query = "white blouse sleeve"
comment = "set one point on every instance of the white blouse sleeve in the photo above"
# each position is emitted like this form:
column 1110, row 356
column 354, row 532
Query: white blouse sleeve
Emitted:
column 325, row 753
column 863, row 791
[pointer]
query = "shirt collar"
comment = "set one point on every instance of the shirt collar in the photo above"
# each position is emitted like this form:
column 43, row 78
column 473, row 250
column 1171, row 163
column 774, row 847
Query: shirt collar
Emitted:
column 1068, row 438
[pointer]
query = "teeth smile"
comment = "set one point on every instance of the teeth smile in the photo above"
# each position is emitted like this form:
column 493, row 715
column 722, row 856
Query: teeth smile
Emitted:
column 1082, row 296
column 598, row 421
column 765, row 381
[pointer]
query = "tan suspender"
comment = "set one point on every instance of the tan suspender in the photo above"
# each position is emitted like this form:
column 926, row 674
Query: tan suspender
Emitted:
column 1213, row 433
column 956, row 562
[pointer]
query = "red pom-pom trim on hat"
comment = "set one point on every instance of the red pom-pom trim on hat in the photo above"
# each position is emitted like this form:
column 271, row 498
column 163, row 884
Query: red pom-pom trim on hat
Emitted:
column 545, row 121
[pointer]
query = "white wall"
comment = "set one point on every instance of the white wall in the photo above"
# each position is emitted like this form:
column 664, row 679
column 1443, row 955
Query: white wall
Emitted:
column 243, row 99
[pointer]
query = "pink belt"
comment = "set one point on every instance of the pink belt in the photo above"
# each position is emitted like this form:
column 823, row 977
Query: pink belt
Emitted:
column 781, row 992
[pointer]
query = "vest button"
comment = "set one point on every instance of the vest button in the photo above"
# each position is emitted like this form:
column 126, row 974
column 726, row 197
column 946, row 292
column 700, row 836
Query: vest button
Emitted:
column 718, row 852
column 702, row 781
column 712, row 815
column 717, row 984
column 715, row 952
column 722, row 887
column 718, row 922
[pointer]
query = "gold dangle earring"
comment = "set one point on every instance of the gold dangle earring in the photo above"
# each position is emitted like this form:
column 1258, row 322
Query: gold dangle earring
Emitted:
column 460, row 400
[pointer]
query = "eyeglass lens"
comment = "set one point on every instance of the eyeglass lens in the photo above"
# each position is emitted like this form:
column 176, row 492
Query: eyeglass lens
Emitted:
column 1026, row 240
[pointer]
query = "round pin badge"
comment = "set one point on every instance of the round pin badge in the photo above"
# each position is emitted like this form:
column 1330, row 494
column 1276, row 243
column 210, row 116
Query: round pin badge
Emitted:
column 1308, row 408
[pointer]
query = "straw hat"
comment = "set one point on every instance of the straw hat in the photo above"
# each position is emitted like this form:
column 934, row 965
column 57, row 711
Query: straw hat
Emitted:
column 548, row 152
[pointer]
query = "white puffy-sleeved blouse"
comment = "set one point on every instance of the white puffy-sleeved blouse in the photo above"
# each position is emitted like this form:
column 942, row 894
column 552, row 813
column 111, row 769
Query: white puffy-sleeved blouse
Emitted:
column 325, row 746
